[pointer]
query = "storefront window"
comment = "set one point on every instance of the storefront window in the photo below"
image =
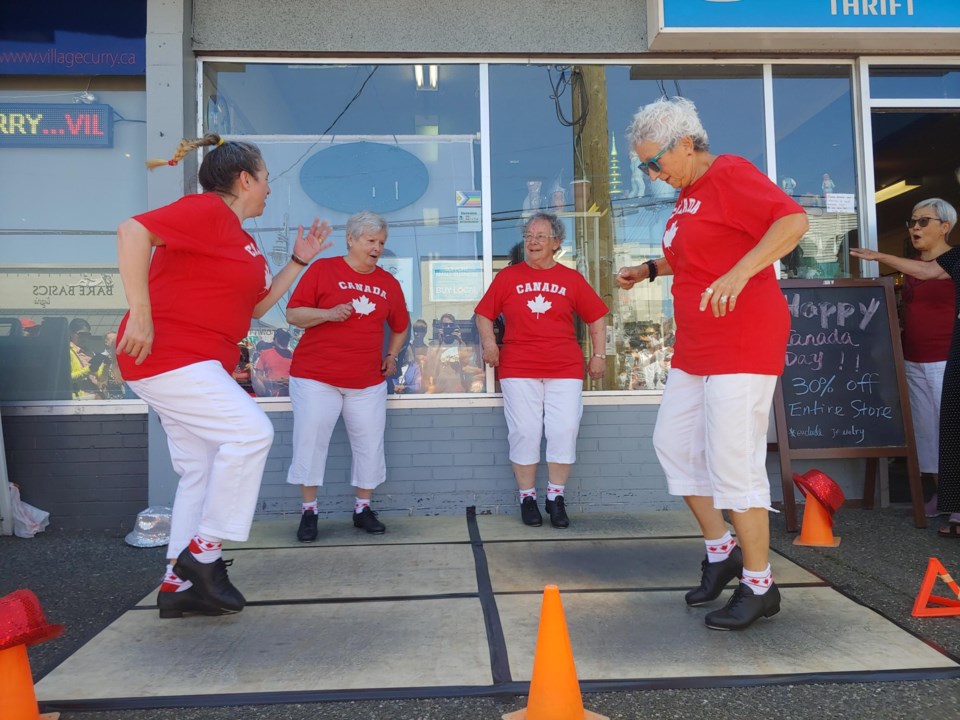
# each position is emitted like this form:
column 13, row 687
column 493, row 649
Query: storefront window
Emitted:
column 816, row 164
column 915, row 82
column 401, row 140
column 73, row 168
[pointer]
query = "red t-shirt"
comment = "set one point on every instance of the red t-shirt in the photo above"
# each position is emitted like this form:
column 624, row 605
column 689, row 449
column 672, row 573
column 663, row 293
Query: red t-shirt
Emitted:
column 538, row 308
column 274, row 365
column 715, row 222
column 927, row 319
column 347, row 354
column 204, row 283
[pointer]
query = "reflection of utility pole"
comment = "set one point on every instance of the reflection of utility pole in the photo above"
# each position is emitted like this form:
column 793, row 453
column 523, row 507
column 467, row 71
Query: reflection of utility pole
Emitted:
column 591, row 162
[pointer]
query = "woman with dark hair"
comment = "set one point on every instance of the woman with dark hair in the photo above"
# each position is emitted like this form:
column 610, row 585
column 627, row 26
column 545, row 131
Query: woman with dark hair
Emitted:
column 190, row 304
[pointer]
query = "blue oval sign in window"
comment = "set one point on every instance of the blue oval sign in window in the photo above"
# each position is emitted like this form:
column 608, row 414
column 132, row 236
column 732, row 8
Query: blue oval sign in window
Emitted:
column 364, row 176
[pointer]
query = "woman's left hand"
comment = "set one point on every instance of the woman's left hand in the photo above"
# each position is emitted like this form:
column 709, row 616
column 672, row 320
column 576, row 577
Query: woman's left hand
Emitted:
column 310, row 244
column 596, row 367
column 721, row 294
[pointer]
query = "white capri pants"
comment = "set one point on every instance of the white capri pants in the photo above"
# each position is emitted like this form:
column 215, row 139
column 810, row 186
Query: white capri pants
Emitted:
column 711, row 437
column 316, row 407
column 925, row 386
column 532, row 405
column 219, row 439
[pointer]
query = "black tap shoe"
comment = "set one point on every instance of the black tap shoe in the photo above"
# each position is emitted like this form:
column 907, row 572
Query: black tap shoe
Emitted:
column 210, row 581
column 715, row 578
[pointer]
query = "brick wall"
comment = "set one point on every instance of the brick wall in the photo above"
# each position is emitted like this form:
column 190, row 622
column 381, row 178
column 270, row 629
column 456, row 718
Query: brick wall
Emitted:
column 87, row 471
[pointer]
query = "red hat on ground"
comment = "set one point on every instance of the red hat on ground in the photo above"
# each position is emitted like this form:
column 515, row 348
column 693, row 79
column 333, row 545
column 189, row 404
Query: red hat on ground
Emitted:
column 22, row 621
column 822, row 487
column 27, row 323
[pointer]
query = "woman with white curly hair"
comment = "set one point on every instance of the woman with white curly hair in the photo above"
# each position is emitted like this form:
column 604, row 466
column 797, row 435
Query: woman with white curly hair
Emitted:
column 729, row 225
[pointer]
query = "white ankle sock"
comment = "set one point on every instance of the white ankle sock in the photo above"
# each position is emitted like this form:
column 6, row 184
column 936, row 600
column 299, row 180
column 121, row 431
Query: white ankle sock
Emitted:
column 205, row 549
column 524, row 494
column 553, row 491
column 308, row 506
column 359, row 504
column 759, row 582
column 719, row 550
column 173, row 582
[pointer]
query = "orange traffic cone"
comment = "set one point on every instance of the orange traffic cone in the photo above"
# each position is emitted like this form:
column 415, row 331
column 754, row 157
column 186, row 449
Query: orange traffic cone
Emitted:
column 817, row 527
column 16, row 687
column 948, row 607
column 554, row 689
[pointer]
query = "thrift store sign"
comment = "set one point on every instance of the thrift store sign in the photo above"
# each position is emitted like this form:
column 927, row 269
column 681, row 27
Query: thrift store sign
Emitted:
column 66, row 126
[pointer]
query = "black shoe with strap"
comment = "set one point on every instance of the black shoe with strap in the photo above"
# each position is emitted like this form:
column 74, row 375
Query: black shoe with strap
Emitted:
column 307, row 532
column 744, row 608
column 175, row 604
column 715, row 577
column 530, row 513
column 210, row 581
column 557, row 511
column 366, row 519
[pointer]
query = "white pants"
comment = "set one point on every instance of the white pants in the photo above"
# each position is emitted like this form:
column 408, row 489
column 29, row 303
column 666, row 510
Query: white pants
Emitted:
column 925, row 386
column 532, row 405
column 316, row 407
column 219, row 439
column 711, row 437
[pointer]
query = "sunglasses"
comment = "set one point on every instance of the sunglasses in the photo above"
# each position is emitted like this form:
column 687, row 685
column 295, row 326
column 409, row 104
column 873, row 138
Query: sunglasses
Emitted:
column 921, row 221
column 652, row 163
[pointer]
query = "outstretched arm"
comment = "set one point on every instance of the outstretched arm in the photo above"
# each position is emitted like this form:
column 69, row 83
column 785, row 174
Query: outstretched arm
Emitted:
column 914, row 268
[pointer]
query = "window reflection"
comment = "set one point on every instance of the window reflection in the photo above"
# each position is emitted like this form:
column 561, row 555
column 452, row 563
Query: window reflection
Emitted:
column 915, row 82
column 813, row 118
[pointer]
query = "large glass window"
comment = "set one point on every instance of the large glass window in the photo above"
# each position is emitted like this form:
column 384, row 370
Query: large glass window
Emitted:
column 73, row 156
column 915, row 82
column 816, row 164
column 401, row 140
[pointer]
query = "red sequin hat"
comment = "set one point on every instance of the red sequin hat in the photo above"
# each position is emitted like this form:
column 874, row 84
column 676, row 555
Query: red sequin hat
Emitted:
column 22, row 621
column 822, row 487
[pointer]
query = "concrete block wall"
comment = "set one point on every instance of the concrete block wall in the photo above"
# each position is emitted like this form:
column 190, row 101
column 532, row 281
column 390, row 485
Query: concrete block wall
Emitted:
column 87, row 471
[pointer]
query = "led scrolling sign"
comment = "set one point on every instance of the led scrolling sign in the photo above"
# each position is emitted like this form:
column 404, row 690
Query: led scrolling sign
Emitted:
column 55, row 126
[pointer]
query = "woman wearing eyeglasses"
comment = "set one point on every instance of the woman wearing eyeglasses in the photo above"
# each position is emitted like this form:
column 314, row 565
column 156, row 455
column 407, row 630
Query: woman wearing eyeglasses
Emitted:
column 540, row 362
column 730, row 223
column 931, row 349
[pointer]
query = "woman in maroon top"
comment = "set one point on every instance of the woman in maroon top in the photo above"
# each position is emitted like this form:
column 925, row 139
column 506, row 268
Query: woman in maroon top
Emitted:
column 193, row 280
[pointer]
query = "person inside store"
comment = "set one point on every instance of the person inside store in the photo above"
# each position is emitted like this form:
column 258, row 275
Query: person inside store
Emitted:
column 104, row 364
column 925, row 319
column 84, row 378
column 540, row 363
column 243, row 372
column 451, row 364
column 419, row 342
column 408, row 379
column 179, row 361
column 729, row 225
column 339, row 368
column 272, row 371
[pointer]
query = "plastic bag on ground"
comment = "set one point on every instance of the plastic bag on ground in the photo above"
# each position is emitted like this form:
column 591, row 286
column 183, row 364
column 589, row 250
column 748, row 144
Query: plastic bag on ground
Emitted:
column 27, row 520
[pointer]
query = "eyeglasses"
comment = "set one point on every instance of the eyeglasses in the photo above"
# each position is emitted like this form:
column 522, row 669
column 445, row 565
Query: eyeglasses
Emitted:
column 652, row 163
column 539, row 238
column 921, row 221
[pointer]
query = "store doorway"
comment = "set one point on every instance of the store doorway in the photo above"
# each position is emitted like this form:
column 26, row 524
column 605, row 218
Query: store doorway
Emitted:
column 916, row 155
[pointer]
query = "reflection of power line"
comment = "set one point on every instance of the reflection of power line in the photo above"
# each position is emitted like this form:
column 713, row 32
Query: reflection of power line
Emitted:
column 330, row 126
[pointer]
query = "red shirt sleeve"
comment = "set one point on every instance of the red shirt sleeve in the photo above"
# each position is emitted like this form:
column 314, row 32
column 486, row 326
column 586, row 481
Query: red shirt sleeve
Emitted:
column 195, row 223
column 750, row 200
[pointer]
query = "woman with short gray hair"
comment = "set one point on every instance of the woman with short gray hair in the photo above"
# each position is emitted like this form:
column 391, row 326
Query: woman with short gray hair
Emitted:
column 729, row 225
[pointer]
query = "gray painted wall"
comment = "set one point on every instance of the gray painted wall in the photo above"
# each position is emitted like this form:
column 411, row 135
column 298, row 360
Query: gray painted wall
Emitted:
column 439, row 27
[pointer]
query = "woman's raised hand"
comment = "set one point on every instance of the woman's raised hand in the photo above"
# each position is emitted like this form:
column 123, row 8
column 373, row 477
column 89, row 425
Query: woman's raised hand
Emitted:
column 310, row 244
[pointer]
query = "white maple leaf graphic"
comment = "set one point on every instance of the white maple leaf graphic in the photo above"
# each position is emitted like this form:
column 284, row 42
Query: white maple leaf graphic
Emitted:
column 363, row 306
column 669, row 234
column 538, row 305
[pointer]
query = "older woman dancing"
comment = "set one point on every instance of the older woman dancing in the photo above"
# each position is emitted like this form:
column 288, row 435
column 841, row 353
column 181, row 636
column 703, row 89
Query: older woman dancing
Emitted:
column 729, row 224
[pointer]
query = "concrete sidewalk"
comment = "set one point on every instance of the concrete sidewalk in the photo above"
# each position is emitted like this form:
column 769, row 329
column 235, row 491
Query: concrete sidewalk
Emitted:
column 87, row 581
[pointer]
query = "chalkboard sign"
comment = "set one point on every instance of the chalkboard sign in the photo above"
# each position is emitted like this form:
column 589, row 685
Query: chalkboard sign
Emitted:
column 843, row 392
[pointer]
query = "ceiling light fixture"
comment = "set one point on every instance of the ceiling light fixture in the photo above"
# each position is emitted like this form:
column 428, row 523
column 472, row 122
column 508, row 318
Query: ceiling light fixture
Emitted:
column 891, row 191
column 430, row 81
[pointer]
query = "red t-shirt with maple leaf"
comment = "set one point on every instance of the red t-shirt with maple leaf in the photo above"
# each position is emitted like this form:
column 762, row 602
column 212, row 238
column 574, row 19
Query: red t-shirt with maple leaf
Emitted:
column 347, row 354
column 538, row 308
column 715, row 222
column 204, row 282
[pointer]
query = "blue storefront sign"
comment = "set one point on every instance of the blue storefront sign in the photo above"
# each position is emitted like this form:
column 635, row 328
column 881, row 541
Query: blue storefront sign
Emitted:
column 827, row 14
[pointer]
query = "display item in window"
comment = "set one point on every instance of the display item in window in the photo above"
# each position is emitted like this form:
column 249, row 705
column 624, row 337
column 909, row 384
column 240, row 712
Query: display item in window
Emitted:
column 194, row 279
column 728, row 226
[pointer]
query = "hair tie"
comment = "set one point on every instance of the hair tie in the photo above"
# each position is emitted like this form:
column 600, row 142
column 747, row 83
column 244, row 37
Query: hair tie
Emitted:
column 220, row 142
column 172, row 163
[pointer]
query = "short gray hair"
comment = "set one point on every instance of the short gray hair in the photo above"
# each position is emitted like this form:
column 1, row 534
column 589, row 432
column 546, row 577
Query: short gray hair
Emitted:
column 944, row 210
column 365, row 221
column 665, row 121
column 556, row 227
